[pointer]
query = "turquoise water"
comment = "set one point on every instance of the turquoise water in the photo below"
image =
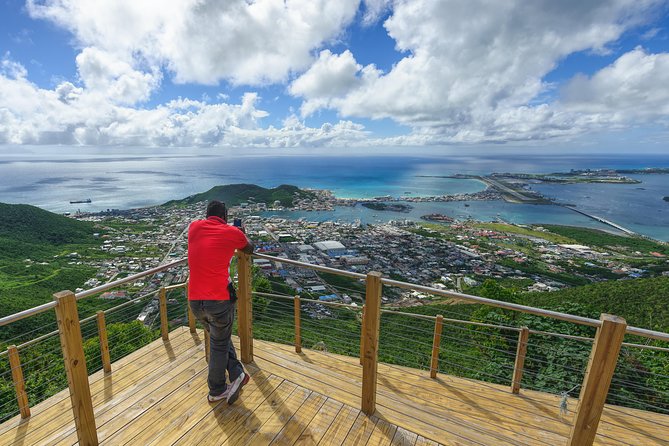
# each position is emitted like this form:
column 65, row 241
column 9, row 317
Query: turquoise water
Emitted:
column 478, row 210
column 123, row 178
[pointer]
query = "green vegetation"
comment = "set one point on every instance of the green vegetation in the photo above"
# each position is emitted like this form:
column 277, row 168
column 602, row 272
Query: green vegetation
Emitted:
column 27, row 231
column 596, row 238
column 235, row 194
column 513, row 229
column 346, row 284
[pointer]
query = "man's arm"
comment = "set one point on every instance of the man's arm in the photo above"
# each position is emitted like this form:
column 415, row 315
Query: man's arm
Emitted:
column 248, row 249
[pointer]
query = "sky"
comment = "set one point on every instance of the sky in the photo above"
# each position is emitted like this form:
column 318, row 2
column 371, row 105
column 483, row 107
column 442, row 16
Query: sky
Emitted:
column 572, row 74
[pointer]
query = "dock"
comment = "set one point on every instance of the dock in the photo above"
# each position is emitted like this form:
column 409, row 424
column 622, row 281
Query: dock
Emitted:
column 603, row 220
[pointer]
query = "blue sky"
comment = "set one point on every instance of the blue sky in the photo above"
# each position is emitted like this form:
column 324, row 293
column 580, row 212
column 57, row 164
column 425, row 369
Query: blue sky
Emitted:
column 315, row 73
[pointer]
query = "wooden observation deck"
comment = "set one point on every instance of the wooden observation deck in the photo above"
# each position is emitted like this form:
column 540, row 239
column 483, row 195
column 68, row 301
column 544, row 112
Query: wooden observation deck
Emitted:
column 157, row 395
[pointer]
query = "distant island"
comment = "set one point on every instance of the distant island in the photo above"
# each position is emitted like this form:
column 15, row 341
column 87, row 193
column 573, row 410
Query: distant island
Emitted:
column 393, row 207
column 437, row 217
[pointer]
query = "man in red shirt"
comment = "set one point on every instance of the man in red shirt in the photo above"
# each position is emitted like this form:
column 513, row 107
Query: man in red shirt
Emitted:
column 211, row 245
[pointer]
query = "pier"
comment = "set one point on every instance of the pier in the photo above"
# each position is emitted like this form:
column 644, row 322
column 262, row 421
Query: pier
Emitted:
column 603, row 220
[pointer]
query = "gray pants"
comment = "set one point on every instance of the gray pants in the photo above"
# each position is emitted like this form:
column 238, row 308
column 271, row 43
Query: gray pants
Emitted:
column 217, row 317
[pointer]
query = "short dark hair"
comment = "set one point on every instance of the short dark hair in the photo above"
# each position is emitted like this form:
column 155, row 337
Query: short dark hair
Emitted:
column 218, row 209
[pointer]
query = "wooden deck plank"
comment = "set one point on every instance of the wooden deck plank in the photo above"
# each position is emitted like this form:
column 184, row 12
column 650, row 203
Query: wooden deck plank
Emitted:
column 253, row 394
column 54, row 418
column 397, row 410
column 299, row 422
column 133, row 359
column 360, row 431
column 340, row 427
column 422, row 441
column 219, row 424
column 383, row 434
column 321, row 422
column 138, row 398
column 263, row 412
column 157, row 396
column 451, row 400
column 404, row 438
column 279, row 414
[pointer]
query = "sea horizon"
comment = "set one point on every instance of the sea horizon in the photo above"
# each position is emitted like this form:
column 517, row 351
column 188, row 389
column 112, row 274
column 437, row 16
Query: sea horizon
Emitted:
column 125, row 179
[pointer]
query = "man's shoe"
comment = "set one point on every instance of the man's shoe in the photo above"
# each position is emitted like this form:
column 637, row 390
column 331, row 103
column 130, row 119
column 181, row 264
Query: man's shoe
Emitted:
column 225, row 394
column 236, row 386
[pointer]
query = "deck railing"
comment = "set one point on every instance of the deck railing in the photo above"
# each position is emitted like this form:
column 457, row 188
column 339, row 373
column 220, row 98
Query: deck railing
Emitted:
column 597, row 376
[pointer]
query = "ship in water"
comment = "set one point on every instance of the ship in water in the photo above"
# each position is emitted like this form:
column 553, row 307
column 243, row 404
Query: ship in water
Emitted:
column 87, row 200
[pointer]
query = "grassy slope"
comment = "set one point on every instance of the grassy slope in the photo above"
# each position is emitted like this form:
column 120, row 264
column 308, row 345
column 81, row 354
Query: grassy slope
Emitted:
column 27, row 232
column 234, row 194
column 642, row 302
column 596, row 238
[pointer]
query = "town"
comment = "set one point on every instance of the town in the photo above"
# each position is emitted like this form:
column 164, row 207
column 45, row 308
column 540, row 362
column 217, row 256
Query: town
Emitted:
column 458, row 256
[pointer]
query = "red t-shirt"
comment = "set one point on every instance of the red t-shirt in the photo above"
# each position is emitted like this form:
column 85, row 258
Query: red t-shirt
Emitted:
column 211, row 245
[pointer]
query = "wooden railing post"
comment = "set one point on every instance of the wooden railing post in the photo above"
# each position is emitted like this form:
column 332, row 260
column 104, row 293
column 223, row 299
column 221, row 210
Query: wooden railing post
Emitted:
column 164, row 329
column 244, row 310
column 298, row 331
column 191, row 316
column 19, row 382
column 521, row 352
column 75, row 366
column 371, row 325
column 436, row 343
column 598, row 376
column 104, row 343
column 362, row 336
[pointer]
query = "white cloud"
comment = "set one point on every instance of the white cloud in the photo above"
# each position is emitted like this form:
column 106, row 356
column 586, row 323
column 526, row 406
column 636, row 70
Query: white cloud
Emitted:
column 472, row 71
column 330, row 77
column 205, row 41
column 83, row 116
column 374, row 9
column 634, row 87
column 474, row 68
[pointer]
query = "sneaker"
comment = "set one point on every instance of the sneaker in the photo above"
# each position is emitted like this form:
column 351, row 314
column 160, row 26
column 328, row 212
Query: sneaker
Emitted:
column 225, row 394
column 236, row 386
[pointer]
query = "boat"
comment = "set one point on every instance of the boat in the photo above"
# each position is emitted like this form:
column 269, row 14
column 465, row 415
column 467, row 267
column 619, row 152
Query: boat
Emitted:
column 87, row 200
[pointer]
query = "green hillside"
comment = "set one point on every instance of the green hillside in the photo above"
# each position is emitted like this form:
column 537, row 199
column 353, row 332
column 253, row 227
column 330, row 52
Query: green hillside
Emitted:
column 642, row 302
column 601, row 239
column 27, row 230
column 235, row 194
column 35, row 258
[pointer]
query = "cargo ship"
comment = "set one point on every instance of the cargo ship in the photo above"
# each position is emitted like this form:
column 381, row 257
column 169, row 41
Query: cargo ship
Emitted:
column 87, row 200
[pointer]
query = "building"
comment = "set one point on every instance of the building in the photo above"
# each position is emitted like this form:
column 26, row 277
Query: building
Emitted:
column 331, row 248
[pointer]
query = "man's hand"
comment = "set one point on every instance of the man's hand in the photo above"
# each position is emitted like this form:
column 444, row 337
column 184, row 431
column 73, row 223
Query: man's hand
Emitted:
column 248, row 249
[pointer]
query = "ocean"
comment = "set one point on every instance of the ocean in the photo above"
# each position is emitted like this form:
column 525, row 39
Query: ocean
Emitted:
column 121, row 178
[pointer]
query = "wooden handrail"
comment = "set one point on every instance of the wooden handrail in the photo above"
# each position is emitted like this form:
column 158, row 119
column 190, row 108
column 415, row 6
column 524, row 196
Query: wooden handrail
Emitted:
column 652, row 334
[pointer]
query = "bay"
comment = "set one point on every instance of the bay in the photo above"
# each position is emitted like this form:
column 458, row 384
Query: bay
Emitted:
column 121, row 178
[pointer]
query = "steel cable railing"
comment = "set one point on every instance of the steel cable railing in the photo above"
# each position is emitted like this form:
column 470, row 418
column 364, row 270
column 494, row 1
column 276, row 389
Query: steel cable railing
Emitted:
column 478, row 348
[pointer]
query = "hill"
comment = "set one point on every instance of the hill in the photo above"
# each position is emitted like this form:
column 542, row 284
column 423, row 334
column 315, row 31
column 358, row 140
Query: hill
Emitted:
column 26, row 230
column 235, row 194
column 642, row 302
